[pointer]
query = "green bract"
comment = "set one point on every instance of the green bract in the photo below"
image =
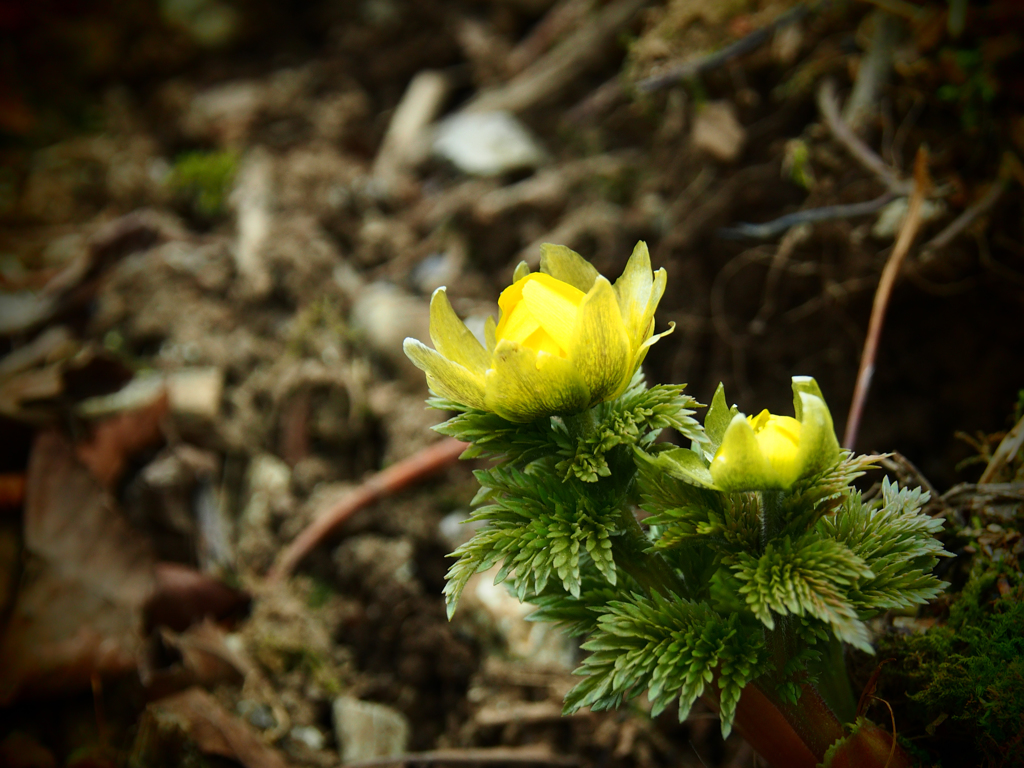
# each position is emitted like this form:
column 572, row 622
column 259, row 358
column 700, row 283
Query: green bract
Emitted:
column 567, row 339
column 768, row 452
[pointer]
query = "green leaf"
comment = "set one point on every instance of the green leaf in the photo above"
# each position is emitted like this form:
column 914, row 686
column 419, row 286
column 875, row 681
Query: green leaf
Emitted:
column 810, row 576
column 674, row 649
column 717, row 420
column 683, row 464
column 896, row 541
column 635, row 419
column 538, row 529
column 492, row 436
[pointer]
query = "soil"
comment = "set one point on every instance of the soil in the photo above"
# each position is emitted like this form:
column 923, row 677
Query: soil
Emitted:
column 284, row 270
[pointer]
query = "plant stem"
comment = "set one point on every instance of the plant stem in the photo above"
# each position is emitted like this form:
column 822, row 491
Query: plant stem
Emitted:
column 834, row 683
column 631, row 551
column 771, row 525
column 771, row 517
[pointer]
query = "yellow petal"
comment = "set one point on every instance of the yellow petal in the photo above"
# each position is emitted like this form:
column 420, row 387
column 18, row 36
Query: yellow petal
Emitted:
column 489, row 334
column 819, row 448
column 600, row 348
column 779, row 438
column 646, row 323
column 446, row 378
column 452, row 338
column 739, row 464
column 641, row 352
column 633, row 290
column 554, row 305
column 657, row 291
column 517, row 324
column 568, row 266
column 524, row 385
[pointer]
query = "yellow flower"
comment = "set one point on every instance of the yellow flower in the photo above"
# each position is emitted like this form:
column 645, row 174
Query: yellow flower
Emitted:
column 567, row 339
column 766, row 452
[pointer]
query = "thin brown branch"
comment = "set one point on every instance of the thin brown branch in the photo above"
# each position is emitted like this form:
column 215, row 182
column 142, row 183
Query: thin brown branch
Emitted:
column 1004, row 453
column 562, row 17
column 690, row 69
column 573, row 56
column 386, row 482
column 965, row 219
column 908, row 232
column 861, row 152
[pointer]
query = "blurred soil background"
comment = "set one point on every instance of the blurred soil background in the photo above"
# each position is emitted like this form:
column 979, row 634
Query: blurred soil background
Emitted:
column 220, row 218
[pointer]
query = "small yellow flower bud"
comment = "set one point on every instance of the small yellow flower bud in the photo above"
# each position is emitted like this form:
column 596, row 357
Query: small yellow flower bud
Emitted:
column 767, row 452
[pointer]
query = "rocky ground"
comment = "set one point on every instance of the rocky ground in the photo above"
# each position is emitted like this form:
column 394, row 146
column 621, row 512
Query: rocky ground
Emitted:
column 219, row 221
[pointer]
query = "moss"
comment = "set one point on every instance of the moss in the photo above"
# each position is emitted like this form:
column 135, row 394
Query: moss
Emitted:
column 967, row 673
column 202, row 180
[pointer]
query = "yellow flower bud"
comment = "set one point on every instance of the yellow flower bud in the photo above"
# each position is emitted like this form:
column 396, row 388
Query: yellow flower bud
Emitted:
column 766, row 451
column 567, row 339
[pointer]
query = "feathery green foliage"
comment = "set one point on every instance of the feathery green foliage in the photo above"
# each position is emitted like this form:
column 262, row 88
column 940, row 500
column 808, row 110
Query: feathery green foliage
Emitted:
column 671, row 648
column 896, row 541
column 538, row 529
column 810, row 576
column 720, row 588
column 635, row 418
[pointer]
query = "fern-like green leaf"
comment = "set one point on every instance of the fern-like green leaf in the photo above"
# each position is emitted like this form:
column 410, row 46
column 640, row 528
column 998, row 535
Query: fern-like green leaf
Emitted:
column 633, row 419
column 673, row 648
column 896, row 541
column 809, row 576
column 538, row 529
column 822, row 494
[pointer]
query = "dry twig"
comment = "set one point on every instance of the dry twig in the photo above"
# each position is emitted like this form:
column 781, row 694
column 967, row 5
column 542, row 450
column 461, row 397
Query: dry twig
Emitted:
column 548, row 75
column 386, row 482
column 776, row 227
column 965, row 219
column 862, row 153
column 885, row 285
column 693, row 67
column 1004, row 453
column 563, row 16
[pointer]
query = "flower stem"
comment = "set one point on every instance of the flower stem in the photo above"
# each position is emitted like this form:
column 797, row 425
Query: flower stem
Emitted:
column 649, row 569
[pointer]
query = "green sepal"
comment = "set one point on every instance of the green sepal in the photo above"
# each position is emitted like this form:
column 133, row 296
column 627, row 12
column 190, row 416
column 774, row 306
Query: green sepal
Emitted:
column 717, row 420
column 680, row 463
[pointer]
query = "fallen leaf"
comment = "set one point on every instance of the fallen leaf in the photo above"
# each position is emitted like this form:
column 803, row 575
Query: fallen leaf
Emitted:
column 201, row 656
column 86, row 579
column 39, row 379
column 12, row 489
column 115, row 440
column 195, row 716
column 184, row 596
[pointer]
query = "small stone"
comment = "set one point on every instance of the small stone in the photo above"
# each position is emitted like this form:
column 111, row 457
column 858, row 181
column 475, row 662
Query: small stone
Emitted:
column 366, row 730
column 310, row 736
column 195, row 393
column 717, row 131
column 259, row 715
column 386, row 315
column 890, row 219
column 487, row 143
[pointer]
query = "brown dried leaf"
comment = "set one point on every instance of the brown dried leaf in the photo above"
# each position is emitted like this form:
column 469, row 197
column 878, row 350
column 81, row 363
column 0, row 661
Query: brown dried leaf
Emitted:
column 195, row 716
column 204, row 658
column 86, row 580
column 114, row 441
column 184, row 596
